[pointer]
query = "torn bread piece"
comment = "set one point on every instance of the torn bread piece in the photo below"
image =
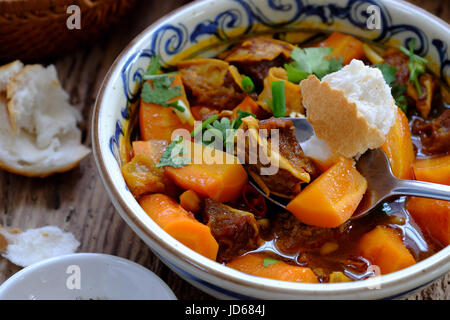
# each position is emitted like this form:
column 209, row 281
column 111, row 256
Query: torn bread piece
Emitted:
column 34, row 245
column 38, row 126
column 351, row 109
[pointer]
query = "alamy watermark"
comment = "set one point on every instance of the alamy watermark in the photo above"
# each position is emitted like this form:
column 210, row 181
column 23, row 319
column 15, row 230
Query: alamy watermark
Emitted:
column 374, row 19
column 73, row 281
column 73, row 22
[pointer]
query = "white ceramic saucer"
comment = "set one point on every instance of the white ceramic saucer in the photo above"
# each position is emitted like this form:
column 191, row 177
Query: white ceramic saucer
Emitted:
column 85, row 276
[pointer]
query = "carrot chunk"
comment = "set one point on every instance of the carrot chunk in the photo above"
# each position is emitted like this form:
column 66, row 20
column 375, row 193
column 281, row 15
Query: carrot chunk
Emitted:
column 398, row 147
column 332, row 198
column 344, row 46
column 256, row 265
column 383, row 247
column 435, row 169
column 158, row 122
column 222, row 180
column 180, row 224
column 432, row 215
column 152, row 148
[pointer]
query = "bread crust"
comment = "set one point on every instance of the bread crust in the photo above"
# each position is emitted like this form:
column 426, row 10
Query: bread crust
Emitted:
column 39, row 174
column 336, row 120
column 11, row 89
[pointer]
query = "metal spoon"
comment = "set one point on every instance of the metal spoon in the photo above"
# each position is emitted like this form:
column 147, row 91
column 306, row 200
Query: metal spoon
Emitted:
column 381, row 183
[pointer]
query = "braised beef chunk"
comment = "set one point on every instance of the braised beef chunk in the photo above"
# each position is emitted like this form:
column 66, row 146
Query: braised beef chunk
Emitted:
column 434, row 134
column 255, row 56
column 258, row 70
column 289, row 146
column 286, row 182
column 208, row 82
column 235, row 230
column 293, row 236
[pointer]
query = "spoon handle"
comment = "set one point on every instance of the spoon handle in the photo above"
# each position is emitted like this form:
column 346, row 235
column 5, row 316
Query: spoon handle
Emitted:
column 421, row 189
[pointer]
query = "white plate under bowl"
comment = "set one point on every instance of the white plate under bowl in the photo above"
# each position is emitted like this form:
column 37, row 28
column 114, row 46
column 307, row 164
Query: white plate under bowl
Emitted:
column 101, row 276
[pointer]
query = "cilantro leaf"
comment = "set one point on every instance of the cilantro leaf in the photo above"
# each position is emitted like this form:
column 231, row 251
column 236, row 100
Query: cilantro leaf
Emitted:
column 269, row 261
column 216, row 131
column 398, row 93
column 160, row 91
column 172, row 155
column 397, row 90
column 335, row 65
column 388, row 72
column 311, row 61
column 222, row 129
column 154, row 67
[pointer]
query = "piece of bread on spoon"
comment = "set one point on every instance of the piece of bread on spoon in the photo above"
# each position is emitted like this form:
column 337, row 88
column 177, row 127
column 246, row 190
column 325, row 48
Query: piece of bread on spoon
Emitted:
column 351, row 109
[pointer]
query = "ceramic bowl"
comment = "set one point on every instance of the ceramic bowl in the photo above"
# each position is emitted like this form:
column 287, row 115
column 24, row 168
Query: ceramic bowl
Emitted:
column 205, row 27
column 85, row 276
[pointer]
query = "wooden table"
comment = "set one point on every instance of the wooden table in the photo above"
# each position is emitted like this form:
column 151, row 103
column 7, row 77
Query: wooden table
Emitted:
column 77, row 202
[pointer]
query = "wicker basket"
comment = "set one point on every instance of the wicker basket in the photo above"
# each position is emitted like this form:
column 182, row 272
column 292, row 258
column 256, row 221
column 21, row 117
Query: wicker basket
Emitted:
column 32, row 29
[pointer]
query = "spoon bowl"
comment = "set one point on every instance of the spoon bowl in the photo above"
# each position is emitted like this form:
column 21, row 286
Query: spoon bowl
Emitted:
column 382, row 184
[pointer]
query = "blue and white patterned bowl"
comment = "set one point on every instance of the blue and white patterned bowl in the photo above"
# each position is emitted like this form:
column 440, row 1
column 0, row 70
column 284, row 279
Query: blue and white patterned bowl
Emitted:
column 204, row 26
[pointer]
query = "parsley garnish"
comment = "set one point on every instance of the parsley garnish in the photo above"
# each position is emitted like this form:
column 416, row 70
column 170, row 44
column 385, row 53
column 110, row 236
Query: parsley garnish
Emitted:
column 269, row 261
column 311, row 61
column 397, row 90
column 172, row 155
column 160, row 92
column 416, row 65
column 222, row 130
column 154, row 67
column 388, row 72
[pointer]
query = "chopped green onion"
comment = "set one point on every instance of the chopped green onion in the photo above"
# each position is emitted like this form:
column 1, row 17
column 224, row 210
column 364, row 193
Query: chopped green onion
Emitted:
column 157, row 76
column 248, row 85
column 176, row 106
column 278, row 99
column 416, row 65
column 205, row 123
column 295, row 75
column 241, row 114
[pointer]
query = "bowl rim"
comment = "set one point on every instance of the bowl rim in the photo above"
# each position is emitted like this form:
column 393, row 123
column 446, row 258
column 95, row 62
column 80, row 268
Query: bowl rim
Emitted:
column 412, row 278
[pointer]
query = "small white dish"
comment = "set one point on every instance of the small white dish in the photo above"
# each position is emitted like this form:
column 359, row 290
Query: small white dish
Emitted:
column 85, row 276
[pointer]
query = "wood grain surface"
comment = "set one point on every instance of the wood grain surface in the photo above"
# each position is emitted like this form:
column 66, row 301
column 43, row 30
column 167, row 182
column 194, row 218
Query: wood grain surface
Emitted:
column 77, row 201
